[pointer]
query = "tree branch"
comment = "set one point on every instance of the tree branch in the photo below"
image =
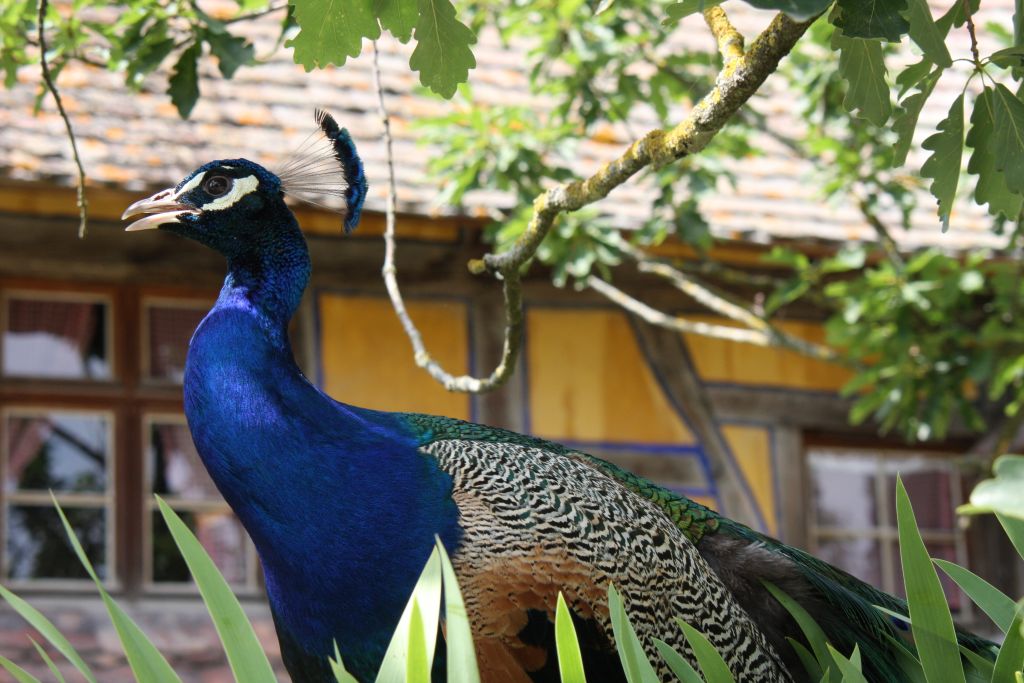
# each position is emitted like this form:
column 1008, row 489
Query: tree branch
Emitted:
column 730, row 41
column 512, row 289
column 885, row 237
column 83, row 205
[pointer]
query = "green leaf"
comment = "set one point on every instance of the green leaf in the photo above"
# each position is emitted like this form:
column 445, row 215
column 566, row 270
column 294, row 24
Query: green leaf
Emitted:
column 20, row 675
column 808, row 661
column 905, row 121
column 145, row 661
column 907, row 661
column 47, row 630
column 331, row 32
column 1009, row 137
column 861, row 65
column 678, row 665
column 1008, row 57
column 982, row 666
column 679, row 10
column 991, row 187
column 712, row 665
column 850, row 671
column 801, row 10
column 990, row 599
column 426, row 596
column 570, row 661
column 1014, row 529
column 184, row 83
column 57, row 675
column 1011, row 653
column 872, row 18
column 397, row 16
column 956, row 16
column 943, row 165
column 341, row 674
column 461, row 653
column 930, row 620
column 631, row 652
column 926, row 34
column 442, row 54
column 417, row 666
column 231, row 52
column 815, row 636
column 1001, row 494
column 245, row 654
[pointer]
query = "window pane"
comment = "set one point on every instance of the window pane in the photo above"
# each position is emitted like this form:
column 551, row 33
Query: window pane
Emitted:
column 928, row 486
column 38, row 548
column 58, row 451
column 174, row 466
column 844, row 491
column 220, row 534
column 859, row 556
column 65, row 339
column 170, row 329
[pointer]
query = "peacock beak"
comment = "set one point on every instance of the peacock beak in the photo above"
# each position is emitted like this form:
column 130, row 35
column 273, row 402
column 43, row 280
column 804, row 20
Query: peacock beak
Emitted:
column 160, row 209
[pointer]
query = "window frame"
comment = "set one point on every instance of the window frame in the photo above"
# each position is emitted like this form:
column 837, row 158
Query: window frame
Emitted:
column 253, row 584
column 105, row 295
column 886, row 532
column 147, row 302
column 41, row 499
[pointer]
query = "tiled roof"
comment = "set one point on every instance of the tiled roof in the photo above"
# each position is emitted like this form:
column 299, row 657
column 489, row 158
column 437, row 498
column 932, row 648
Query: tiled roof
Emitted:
column 136, row 140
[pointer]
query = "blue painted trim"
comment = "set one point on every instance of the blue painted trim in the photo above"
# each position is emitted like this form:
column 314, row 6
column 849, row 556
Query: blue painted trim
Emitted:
column 773, row 459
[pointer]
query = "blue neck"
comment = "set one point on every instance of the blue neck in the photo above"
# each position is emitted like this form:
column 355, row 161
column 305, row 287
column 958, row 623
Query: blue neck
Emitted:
column 341, row 505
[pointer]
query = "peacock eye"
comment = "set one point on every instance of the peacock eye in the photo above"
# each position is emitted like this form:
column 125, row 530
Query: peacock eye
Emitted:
column 217, row 185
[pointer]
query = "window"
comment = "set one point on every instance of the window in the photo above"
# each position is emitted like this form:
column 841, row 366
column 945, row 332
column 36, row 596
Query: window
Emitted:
column 105, row 432
column 175, row 473
column 56, row 335
column 70, row 454
column 853, row 512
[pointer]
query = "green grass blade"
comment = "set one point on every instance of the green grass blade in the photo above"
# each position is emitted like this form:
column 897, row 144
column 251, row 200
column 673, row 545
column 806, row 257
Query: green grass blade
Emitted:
column 676, row 662
column 631, row 653
column 982, row 667
column 712, row 665
column 990, row 599
column 810, row 664
column 908, row 662
column 461, row 653
column 244, row 651
column 47, row 630
column 145, row 661
column 19, row 674
column 1014, row 528
column 426, row 597
column 849, row 668
column 815, row 636
column 417, row 668
column 931, row 622
column 1011, row 655
column 57, row 675
column 570, row 661
column 341, row 674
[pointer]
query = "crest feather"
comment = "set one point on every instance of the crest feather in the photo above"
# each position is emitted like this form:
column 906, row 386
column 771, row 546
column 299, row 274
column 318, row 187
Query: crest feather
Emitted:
column 313, row 170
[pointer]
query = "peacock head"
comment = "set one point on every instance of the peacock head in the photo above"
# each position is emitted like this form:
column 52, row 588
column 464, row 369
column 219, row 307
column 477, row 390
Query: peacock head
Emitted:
column 233, row 205
column 224, row 204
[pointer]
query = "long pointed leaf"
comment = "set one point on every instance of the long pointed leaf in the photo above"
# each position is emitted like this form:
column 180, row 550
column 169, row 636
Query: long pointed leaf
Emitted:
column 570, row 661
column 996, row 604
column 815, row 636
column 245, row 653
column 417, row 667
column 47, row 630
column 145, row 661
column 1014, row 528
column 712, row 665
column 426, row 596
column 461, row 653
column 20, row 675
column 982, row 666
column 908, row 662
column 631, row 653
column 677, row 663
column 1011, row 654
column 850, row 670
column 931, row 622
column 341, row 674
column 57, row 675
column 810, row 664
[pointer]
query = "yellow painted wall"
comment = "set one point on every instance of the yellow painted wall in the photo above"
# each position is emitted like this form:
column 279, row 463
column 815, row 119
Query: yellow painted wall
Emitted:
column 367, row 359
column 718, row 360
column 752, row 448
column 589, row 381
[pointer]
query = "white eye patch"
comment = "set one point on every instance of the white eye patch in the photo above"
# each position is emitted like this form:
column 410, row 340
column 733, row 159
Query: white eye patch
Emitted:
column 240, row 188
column 191, row 185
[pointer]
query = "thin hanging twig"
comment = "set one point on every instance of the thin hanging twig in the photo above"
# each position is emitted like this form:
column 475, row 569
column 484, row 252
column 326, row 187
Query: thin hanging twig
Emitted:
column 512, row 289
column 83, row 205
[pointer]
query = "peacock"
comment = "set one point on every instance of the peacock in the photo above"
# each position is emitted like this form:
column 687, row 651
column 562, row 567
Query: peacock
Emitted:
column 343, row 503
